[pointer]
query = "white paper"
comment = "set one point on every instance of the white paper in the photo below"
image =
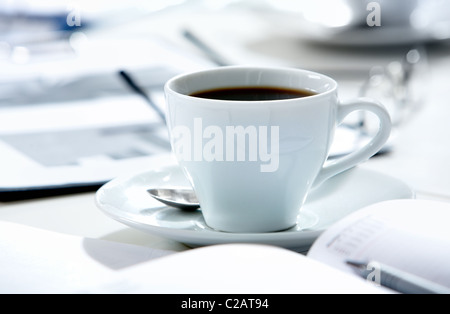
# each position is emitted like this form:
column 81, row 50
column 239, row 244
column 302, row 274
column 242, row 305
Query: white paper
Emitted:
column 73, row 121
column 38, row 261
column 411, row 235
column 82, row 142
column 235, row 269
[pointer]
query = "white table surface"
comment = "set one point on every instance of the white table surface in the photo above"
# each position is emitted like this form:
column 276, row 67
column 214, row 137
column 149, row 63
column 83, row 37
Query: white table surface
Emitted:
column 420, row 156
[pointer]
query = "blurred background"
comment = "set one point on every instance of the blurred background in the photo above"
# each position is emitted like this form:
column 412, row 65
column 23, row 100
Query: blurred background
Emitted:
column 69, row 119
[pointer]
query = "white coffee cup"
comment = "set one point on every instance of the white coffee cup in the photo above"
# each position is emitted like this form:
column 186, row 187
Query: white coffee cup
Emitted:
column 252, row 163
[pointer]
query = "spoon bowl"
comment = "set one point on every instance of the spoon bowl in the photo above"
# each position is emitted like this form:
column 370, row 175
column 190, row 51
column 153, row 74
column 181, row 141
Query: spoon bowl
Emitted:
column 182, row 198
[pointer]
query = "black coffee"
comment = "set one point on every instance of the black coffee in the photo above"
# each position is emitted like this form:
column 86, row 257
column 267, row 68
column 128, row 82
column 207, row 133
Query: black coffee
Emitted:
column 252, row 93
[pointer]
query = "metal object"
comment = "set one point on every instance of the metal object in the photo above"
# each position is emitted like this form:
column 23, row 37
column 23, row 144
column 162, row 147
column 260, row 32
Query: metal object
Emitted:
column 182, row 198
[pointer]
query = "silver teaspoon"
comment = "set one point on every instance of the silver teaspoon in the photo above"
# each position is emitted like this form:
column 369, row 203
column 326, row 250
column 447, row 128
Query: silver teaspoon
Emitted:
column 182, row 198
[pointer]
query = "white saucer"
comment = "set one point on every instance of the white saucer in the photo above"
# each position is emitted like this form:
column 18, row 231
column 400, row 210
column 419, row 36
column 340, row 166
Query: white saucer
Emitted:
column 127, row 201
column 366, row 36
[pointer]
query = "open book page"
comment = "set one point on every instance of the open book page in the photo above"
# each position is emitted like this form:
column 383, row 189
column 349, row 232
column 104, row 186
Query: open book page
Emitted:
column 410, row 235
column 40, row 261
column 235, row 269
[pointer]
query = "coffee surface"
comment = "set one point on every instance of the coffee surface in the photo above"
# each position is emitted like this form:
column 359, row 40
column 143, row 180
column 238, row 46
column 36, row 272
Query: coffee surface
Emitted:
column 252, row 93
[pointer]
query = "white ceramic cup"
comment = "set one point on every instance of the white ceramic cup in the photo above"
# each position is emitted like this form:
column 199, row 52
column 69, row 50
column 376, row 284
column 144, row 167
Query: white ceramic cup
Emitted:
column 252, row 163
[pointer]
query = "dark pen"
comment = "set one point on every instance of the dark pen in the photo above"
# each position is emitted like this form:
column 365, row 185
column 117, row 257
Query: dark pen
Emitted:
column 135, row 87
column 211, row 53
column 395, row 279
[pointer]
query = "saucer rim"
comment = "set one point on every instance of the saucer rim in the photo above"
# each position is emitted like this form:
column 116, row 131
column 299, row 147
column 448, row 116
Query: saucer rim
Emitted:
column 293, row 239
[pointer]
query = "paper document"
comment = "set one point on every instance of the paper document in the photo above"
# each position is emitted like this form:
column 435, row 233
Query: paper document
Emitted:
column 76, row 124
column 39, row 261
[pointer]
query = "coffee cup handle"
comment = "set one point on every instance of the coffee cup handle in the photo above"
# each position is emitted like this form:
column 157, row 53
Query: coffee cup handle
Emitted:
column 344, row 163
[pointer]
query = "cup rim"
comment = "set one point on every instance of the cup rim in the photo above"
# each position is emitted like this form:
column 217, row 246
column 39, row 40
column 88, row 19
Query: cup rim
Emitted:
column 169, row 85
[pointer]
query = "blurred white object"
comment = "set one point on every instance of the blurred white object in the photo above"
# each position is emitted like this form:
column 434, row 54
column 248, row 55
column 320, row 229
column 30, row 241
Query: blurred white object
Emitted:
column 88, row 7
column 345, row 22
column 393, row 13
column 401, row 86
